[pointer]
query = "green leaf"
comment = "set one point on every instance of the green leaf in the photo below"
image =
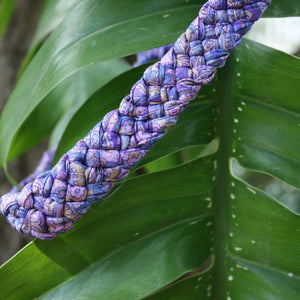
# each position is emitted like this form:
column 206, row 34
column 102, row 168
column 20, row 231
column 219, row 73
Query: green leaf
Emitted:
column 194, row 287
column 152, row 235
column 283, row 8
column 68, row 95
column 74, row 45
column 6, row 9
column 275, row 113
column 161, row 213
column 66, row 98
column 162, row 225
column 53, row 12
column 243, row 225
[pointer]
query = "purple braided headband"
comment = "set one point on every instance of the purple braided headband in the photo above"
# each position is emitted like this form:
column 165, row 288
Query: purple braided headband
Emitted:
column 52, row 201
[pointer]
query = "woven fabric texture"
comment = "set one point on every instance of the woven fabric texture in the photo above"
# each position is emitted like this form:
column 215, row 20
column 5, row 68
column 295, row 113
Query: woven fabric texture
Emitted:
column 51, row 203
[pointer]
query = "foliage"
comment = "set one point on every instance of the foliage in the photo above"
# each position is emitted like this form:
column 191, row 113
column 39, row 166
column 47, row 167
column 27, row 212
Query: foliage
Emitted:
column 199, row 222
column 6, row 10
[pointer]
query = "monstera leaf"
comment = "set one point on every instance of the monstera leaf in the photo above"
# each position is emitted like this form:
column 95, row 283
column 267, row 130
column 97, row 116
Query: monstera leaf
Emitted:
column 198, row 218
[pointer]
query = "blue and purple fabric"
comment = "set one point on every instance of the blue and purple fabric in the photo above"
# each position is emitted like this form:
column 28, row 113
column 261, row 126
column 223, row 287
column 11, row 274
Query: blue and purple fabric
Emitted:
column 52, row 201
column 157, row 53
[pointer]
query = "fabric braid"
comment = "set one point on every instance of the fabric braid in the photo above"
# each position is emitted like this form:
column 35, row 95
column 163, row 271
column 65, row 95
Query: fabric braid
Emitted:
column 51, row 203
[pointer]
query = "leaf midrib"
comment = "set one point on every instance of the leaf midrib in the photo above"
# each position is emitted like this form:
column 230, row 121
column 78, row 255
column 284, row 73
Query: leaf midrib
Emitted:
column 226, row 77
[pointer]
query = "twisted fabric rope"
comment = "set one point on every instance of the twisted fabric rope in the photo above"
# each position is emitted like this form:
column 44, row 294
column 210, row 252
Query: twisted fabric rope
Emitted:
column 47, row 158
column 51, row 203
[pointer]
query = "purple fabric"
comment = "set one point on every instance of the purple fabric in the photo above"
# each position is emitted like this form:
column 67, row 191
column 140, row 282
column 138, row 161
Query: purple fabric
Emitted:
column 51, row 203
column 157, row 53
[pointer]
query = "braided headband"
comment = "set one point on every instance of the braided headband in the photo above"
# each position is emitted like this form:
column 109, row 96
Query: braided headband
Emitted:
column 51, row 202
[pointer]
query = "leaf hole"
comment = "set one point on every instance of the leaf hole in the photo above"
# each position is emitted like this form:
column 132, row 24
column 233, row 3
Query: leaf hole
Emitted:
column 286, row 194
